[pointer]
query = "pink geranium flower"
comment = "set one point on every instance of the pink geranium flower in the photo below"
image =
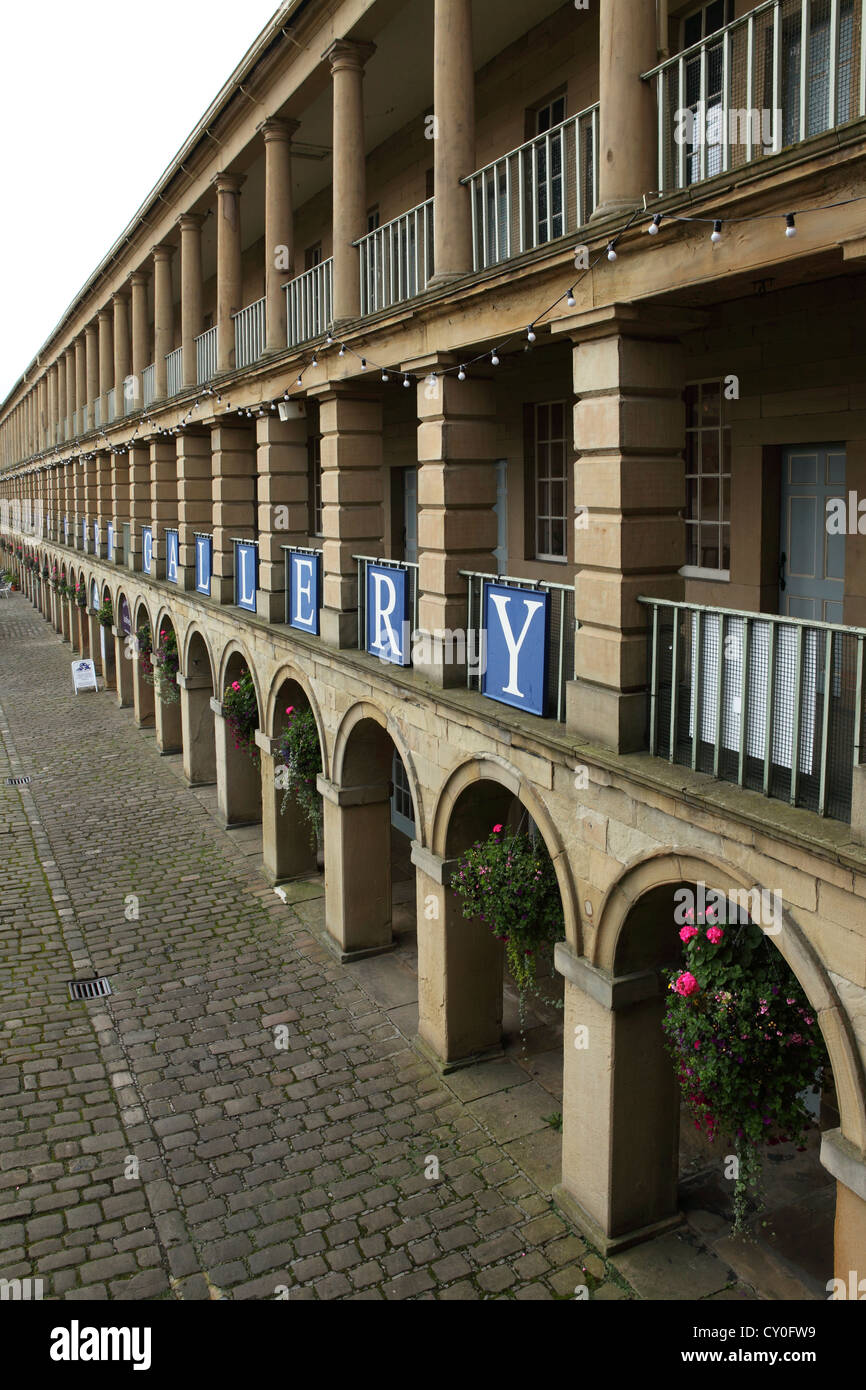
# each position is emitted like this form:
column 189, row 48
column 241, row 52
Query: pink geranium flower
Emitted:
column 715, row 935
column 235, row 685
column 496, row 829
column 686, row 984
column 687, row 933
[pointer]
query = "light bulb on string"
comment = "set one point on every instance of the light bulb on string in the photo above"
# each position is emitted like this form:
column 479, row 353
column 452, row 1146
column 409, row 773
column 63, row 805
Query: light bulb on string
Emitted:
column 611, row 251
column 790, row 225
column 342, row 350
column 570, row 299
column 494, row 359
column 716, row 234
column 406, row 381
column 530, row 334
column 653, row 227
column 363, row 364
column 384, row 376
column 461, row 375
column 315, row 361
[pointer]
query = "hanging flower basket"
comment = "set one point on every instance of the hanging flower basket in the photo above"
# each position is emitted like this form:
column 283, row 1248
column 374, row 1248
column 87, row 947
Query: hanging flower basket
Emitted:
column 300, row 759
column 164, row 666
column 745, row 1043
column 510, row 884
column 105, row 614
column 241, row 710
column 144, row 642
column 80, row 596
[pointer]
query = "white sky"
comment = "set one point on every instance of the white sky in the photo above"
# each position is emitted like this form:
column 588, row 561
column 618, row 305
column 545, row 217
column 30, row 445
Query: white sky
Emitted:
column 96, row 97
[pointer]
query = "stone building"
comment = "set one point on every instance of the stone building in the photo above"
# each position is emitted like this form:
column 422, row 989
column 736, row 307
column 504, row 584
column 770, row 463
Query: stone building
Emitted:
column 563, row 295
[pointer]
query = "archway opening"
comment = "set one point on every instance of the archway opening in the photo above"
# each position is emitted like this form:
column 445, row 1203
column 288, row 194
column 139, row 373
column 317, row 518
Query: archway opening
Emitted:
column 124, row 652
column 787, row 1248
column 197, row 717
column 294, row 842
column 164, row 668
column 142, row 669
column 238, row 757
column 106, row 618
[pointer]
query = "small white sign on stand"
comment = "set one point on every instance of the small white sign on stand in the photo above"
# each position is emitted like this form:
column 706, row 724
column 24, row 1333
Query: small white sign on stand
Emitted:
column 84, row 676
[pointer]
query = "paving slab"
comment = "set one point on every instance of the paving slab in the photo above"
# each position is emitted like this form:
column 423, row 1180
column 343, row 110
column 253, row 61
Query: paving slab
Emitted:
column 674, row 1266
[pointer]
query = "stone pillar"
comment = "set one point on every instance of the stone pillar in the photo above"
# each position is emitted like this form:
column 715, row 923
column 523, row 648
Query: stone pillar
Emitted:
column 279, row 228
column 629, row 491
column 90, row 500
column 620, row 1107
column 288, row 845
column 163, row 498
column 121, row 351
column 169, row 736
column 352, row 503
column 460, row 972
column 229, row 270
column 142, row 696
column 628, row 120
column 140, row 336
column 190, row 292
column 457, row 527
column 106, row 358
column 847, row 1164
column 233, row 466
column 80, row 384
column 69, row 357
column 51, row 423
column 139, row 499
column 239, row 782
column 347, row 61
column 163, row 317
column 282, row 460
column 357, row 835
column 194, row 502
column 104, row 509
column 124, row 662
column 61, row 370
column 119, row 466
column 197, row 725
column 454, row 146
column 91, row 350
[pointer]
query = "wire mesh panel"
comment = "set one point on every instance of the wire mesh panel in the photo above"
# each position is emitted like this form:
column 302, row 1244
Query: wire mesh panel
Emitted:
column 773, row 704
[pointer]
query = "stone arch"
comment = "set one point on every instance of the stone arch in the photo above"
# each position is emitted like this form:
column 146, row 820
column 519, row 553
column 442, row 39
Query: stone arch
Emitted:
column 233, row 648
column 667, row 868
column 350, row 721
column 288, row 672
column 493, row 768
column 195, row 631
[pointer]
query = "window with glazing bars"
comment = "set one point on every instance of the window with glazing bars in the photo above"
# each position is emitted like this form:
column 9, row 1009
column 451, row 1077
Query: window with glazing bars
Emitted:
column 549, row 464
column 708, row 477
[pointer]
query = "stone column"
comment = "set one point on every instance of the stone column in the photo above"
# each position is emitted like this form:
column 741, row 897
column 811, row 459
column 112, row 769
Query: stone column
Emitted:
column 142, row 697
column 352, row 503
column 61, row 372
column 163, row 498
column 282, row 460
column 80, row 384
column 194, row 503
column 163, row 317
column 139, row 500
column 460, row 972
column 190, row 292
column 457, row 527
column 70, row 360
column 91, row 349
column 169, row 735
column 350, row 172
column 51, row 409
column 90, row 500
column 454, row 146
column 629, row 435
column 288, row 848
column 119, row 466
column 197, row 725
column 229, row 269
column 233, row 468
column 104, row 511
column 121, row 351
column 140, row 335
column 106, row 358
column 357, row 835
column 628, row 120
column 620, row 1107
column 239, row 782
column 123, row 664
column 847, row 1164
column 279, row 228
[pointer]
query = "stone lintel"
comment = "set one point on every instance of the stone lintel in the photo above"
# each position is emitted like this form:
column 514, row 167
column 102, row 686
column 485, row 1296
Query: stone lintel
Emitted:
column 353, row 796
column 613, row 992
column 437, row 869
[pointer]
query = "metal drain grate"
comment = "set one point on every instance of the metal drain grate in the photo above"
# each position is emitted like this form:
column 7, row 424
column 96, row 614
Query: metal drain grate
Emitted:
column 18, row 781
column 89, row 989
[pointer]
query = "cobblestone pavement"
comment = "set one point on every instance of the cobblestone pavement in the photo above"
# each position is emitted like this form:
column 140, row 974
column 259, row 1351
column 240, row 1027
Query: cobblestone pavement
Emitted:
column 258, row 1168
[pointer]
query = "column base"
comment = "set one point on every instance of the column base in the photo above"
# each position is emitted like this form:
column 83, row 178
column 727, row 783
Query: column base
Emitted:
column 444, row 1068
column 347, row 957
column 447, row 277
column 611, row 718
column 608, row 1245
column 616, row 207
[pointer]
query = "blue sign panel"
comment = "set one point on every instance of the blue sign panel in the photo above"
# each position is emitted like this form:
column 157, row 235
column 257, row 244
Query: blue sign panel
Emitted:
column 203, row 564
column 246, row 575
column 172, row 551
column 146, row 549
column 110, row 536
column 517, row 624
column 305, row 588
column 388, row 635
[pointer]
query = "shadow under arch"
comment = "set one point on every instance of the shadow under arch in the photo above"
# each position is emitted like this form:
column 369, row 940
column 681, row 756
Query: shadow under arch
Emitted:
column 344, row 754
column 234, row 648
column 195, row 643
column 272, row 715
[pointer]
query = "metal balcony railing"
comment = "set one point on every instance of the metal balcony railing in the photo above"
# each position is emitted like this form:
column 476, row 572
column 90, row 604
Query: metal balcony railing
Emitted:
column 780, row 713
column 542, row 190
column 174, row 372
column 787, row 70
column 560, row 655
column 309, row 303
column 397, row 259
column 148, row 385
column 249, row 334
column 206, row 356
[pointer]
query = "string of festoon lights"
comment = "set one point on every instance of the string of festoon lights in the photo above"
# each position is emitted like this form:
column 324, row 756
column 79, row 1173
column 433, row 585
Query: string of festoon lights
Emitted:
column 148, row 428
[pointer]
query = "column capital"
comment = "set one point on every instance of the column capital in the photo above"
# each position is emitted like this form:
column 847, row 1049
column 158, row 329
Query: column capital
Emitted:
column 163, row 251
column 139, row 277
column 104, row 314
column 346, row 54
column 228, row 183
column 278, row 128
column 191, row 222
column 121, row 294
column 90, row 329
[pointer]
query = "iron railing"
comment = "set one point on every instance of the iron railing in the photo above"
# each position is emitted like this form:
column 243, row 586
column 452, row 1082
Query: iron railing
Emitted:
column 206, row 356
column 174, row 372
column 412, row 572
column 397, row 259
column 249, row 333
column 148, row 385
column 293, row 550
column 787, row 70
column 780, row 713
column 560, row 655
column 544, row 189
column 309, row 303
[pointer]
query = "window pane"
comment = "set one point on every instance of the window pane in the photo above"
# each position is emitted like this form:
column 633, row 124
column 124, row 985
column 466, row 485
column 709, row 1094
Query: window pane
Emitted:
column 557, row 420
column 557, row 500
column 710, row 399
column 710, row 547
column 692, row 545
column 709, row 499
column 709, row 451
column 557, row 538
column 691, row 398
